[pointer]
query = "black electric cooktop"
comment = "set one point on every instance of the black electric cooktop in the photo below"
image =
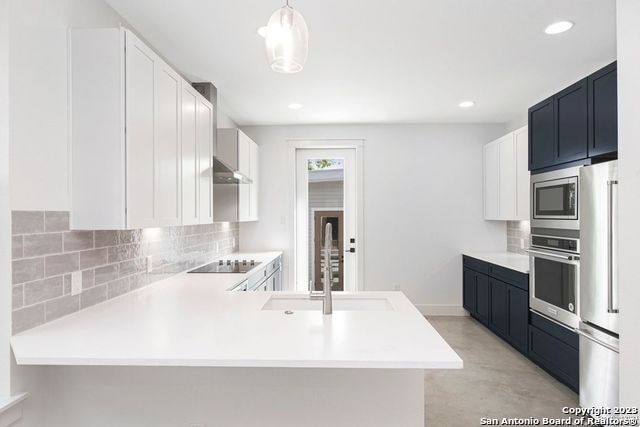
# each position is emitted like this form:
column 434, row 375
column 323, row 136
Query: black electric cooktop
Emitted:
column 227, row 267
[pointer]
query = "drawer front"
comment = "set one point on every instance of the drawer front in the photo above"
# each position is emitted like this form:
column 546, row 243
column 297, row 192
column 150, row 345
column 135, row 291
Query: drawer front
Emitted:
column 512, row 277
column 475, row 264
column 561, row 333
column 273, row 266
column 560, row 359
column 257, row 277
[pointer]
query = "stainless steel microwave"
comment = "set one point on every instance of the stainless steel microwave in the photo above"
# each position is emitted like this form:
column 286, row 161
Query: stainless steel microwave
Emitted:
column 554, row 201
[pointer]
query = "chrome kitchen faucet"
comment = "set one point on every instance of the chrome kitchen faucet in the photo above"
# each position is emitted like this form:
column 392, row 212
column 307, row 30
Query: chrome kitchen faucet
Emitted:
column 325, row 295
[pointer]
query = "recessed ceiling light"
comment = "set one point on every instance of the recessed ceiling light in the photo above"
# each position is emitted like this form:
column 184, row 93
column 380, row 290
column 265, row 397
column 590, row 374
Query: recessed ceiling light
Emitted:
column 558, row 27
column 295, row 106
column 262, row 31
column 466, row 104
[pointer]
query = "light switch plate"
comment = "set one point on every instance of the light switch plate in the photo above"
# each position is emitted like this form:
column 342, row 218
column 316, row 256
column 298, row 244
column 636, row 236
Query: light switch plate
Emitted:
column 149, row 264
column 76, row 282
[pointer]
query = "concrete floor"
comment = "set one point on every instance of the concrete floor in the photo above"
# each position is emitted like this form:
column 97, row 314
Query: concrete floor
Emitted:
column 497, row 381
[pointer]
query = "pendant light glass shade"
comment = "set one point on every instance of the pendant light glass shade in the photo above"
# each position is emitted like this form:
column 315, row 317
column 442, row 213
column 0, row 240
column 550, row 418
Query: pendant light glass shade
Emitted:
column 287, row 40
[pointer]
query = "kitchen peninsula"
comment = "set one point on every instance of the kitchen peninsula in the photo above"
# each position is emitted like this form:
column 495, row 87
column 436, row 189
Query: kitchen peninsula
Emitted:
column 208, row 353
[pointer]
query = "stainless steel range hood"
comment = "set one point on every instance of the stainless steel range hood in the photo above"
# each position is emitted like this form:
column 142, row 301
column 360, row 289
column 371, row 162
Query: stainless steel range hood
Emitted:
column 224, row 174
column 224, row 169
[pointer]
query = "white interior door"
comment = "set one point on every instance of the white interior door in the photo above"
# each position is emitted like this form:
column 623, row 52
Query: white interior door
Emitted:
column 350, row 238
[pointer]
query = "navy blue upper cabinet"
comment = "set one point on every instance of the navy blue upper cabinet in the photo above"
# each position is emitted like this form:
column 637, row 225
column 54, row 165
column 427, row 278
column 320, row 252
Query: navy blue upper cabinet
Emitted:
column 603, row 111
column 579, row 122
column 570, row 117
column 541, row 147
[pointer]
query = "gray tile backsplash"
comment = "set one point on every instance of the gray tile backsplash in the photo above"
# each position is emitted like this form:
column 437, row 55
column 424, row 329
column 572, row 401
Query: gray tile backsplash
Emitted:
column 518, row 233
column 46, row 253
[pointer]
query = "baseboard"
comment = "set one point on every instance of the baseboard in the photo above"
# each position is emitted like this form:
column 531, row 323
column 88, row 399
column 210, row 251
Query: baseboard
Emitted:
column 441, row 310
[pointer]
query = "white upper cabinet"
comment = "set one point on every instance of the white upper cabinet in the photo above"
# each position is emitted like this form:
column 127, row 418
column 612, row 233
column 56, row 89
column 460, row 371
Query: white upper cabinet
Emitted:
column 253, row 187
column 237, row 202
column 168, row 162
column 205, row 160
column 140, row 128
column 491, row 157
column 135, row 136
column 523, row 176
column 506, row 177
column 190, row 173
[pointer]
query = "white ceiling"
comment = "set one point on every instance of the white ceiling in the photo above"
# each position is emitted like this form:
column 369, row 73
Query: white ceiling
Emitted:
column 375, row 61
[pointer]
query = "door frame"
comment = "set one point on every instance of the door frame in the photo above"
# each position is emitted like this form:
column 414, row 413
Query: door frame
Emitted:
column 323, row 144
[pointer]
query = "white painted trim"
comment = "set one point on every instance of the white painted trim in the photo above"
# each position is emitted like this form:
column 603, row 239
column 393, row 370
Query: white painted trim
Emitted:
column 11, row 409
column 441, row 310
column 327, row 143
column 5, row 206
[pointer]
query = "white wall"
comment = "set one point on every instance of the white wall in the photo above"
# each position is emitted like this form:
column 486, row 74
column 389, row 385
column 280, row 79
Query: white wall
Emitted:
column 39, row 119
column 5, row 214
column 629, row 154
column 422, row 204
column 224, row 121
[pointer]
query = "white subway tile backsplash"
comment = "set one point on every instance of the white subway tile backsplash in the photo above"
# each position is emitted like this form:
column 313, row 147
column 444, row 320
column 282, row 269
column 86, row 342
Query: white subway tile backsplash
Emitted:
column 518, row 233
column 56, row 221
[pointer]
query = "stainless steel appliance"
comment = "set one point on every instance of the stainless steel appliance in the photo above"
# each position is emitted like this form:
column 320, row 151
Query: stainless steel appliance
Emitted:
column 227, row 266
column 598, row 328
column 555, row 199
column 554, row 278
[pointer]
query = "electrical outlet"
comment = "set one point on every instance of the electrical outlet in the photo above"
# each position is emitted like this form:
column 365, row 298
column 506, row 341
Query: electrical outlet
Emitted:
column 149, row 264
column 521, row 243
column 76, row 282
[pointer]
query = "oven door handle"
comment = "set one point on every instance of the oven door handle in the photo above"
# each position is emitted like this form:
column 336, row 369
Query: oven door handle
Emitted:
column 596, row 340
column 553, row 255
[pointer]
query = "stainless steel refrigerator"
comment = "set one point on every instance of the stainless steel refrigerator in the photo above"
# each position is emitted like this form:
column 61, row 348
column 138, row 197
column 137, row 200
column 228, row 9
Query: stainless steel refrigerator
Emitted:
column 599, row 340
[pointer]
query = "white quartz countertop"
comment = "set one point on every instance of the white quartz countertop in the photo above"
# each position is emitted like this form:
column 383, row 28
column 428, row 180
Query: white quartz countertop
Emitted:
column 193, row 320
column 511, row 260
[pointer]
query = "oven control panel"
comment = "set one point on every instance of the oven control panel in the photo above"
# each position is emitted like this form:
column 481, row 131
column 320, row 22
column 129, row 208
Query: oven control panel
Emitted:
column 557, row 243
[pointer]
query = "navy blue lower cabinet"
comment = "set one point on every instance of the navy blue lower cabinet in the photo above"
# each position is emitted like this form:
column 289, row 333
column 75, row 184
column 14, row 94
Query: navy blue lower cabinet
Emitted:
column 498, row 317
column 499, row 298
column 518, row 325
column 555, row 349
column 469, row 290
column 482, row 298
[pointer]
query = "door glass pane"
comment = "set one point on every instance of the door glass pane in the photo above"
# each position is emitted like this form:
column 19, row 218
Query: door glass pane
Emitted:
column 326, row 203
column 555, row 283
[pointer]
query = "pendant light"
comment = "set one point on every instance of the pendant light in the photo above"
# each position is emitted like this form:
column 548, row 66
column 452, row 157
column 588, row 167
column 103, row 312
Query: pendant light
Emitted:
column 287, row 40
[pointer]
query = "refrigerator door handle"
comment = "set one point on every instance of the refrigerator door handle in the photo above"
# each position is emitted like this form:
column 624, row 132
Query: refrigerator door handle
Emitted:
column 597, row 341
column 611, row 247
